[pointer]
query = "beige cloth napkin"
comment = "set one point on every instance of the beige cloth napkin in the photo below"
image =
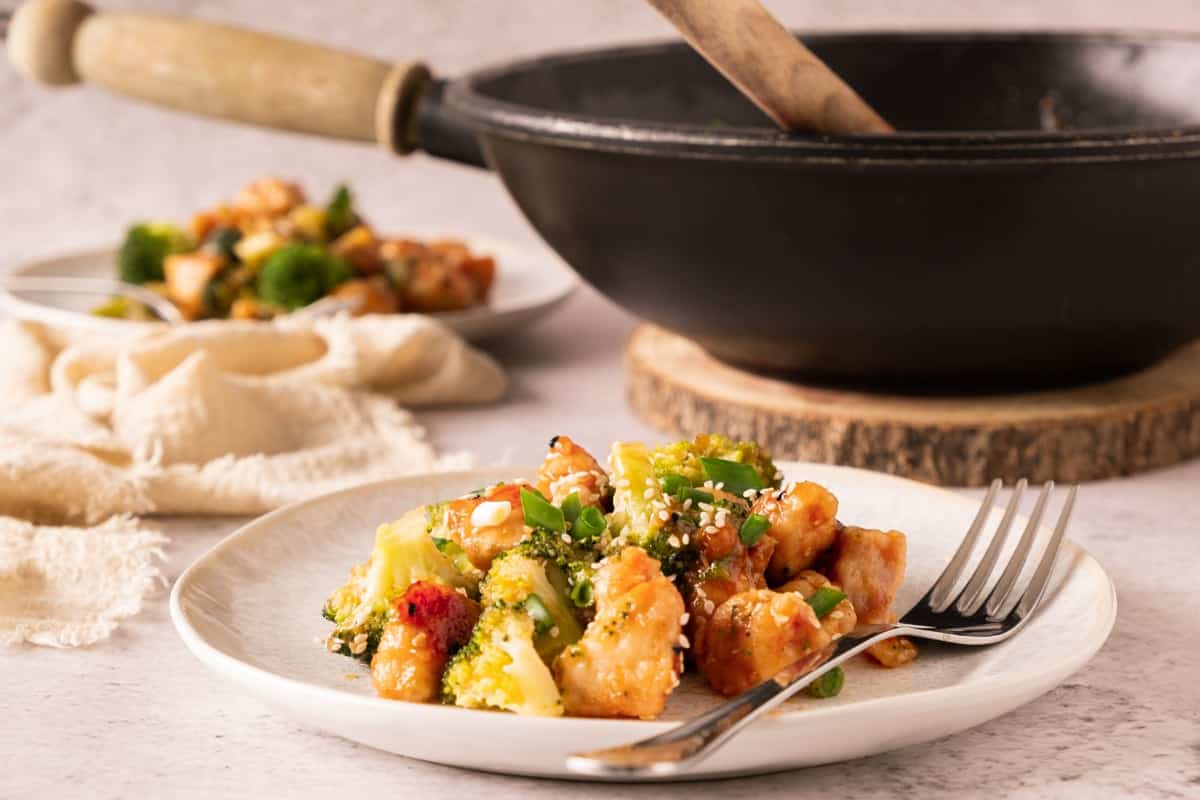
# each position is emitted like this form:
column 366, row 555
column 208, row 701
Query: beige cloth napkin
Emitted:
column 210, row 418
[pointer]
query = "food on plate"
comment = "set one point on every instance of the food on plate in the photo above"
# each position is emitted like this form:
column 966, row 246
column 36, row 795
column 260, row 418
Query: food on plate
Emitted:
column 271, row 251
column 587, row 591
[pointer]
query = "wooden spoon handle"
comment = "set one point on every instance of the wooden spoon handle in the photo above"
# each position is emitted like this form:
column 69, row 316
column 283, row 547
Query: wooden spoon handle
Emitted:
column 765, row 61
column 220, row 71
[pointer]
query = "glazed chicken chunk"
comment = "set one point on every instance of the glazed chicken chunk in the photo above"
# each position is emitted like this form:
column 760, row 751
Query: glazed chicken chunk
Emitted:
column 626, row 664
column 569, row 468
column 487, row 524
column 869, row 566
column 804, row 524
column 838, row 622
column 754, row 635
column 431, row 621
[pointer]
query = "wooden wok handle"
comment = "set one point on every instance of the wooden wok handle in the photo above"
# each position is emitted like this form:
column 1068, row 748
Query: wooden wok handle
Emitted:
column 765, row 62
column 220, row 71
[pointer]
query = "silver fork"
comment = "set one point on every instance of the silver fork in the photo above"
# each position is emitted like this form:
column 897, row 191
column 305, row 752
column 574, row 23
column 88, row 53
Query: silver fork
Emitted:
column 973, row 615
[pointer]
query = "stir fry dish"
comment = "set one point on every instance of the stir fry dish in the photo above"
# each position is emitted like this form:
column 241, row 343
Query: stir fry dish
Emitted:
column 271, row 252
column 588, row 592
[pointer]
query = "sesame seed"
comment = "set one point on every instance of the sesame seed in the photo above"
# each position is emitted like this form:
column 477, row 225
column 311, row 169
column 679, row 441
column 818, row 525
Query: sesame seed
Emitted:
column 719, row 486
column 710, row 529
column 683, row 619
column 566, row 538
column 683, row 642
column 673, row 540
column 708, row 484
column 648, row 494
column 750, row 494
column 649, row 481
column 664, row 516
column 686, row 538
column 836, row 615
column 554, row 632
column 709, row 607
column 623, row 483
column 705, row 506
column 687, row 504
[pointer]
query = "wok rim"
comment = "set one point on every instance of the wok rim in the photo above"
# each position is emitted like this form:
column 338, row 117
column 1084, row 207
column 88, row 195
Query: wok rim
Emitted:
column 512, row 120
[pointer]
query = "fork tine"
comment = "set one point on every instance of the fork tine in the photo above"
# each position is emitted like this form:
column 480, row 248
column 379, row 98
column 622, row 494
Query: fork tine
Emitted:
column 1005, row 587
column 1041, row 576
column 939, row 595
column 972, row 594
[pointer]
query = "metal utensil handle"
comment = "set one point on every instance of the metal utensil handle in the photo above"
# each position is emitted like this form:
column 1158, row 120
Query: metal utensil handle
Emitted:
column 164, row 308
column 220, row 71
column 703, row 735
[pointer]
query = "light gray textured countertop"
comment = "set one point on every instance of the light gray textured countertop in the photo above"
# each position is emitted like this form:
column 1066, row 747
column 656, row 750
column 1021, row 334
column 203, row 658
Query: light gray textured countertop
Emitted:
column 137, row 716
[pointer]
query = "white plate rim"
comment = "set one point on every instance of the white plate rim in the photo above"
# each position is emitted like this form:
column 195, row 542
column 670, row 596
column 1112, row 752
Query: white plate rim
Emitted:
column 479, row 323
column 246, row 674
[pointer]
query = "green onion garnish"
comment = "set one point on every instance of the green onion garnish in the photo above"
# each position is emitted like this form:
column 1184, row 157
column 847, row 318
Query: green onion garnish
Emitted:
column 825, row 600
column 697, row 496
column 582, row 594
column 571, row 507
column 589, row 524
column 828, row 685
column 676, row 484
column 542, row 621
column 753, row 529
column 737, row 477
column 540, row 514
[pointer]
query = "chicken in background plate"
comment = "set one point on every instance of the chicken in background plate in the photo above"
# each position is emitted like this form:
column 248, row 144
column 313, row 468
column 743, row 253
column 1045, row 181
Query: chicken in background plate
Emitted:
column 588, row 592
column 270, row 252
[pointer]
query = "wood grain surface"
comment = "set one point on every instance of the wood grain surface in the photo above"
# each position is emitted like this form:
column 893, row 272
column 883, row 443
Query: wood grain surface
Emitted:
column 1126, row 425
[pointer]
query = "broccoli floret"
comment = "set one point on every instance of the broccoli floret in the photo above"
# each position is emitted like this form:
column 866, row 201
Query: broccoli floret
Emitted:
column 683, row 458
column 500, row 668
column 299, row 274
column 637, row 502
column 403, row 554
column 519, row 579
column 146, row 247
column 340, row 215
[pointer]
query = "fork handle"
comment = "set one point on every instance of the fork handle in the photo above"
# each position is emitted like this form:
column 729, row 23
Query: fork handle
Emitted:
column 672, row 752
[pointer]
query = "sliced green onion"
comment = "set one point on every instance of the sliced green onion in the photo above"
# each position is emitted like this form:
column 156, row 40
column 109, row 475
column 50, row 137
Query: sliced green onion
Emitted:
column 590, row 524
column 540, row 514
column 676, row 484
column 828, row 685
column 737, row 477
column 583, row 594
column 697, row 496
column 753, row 529
column 542, row 621
column 571, row 507
column 825, row 600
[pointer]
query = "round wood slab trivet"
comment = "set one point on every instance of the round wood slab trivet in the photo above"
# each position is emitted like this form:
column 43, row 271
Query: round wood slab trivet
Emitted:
column 1102, row 430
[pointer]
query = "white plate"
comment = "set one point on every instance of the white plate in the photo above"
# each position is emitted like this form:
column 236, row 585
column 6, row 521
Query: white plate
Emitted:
column 530, row 282
column 250, row 610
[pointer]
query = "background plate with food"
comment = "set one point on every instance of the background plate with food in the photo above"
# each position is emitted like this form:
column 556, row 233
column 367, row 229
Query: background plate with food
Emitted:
column 272, row 252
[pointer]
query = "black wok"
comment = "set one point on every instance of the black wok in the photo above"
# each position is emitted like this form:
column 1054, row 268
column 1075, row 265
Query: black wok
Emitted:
column 1035, row 219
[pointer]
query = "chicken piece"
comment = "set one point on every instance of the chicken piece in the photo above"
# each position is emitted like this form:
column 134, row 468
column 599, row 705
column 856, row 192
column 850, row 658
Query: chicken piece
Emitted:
column 359, row 247
column 436, row 286
column 754, row 635
column 569, row 468
column 369, row 296
column 626, row 664
column 188, row 275
column 486, row 525
column 269, row 197
column 804, row 522
column 726, row 567
column 892, row 653
column 838, row 622
column 869, row 566
column 483, row 272
column 431, row 622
